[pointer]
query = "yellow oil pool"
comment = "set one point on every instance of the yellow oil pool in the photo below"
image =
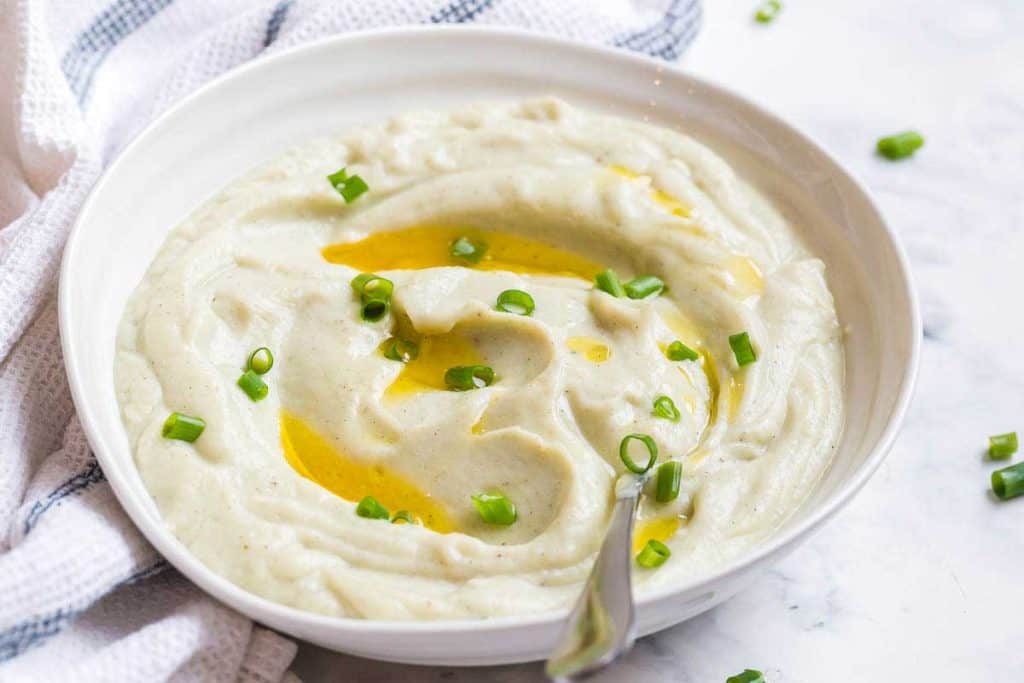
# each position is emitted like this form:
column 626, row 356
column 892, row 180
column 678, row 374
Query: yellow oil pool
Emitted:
column 673, row 205
column 658, row 529
column 428, row 247
column 594, row 350
column 437, row 353
column 313, row 457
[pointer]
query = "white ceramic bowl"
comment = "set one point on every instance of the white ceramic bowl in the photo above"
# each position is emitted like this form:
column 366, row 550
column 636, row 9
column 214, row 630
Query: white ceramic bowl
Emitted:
column 259, row 110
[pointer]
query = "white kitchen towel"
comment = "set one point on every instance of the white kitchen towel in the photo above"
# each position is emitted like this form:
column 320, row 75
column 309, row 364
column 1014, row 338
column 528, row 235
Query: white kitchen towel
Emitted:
column 83, row 597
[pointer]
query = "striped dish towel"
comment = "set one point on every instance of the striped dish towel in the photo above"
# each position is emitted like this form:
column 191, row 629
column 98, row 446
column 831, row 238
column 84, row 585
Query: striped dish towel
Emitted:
column 82, row 595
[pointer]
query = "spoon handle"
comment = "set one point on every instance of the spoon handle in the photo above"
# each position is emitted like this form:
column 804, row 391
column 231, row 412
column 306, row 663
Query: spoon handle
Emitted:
column 601, row 625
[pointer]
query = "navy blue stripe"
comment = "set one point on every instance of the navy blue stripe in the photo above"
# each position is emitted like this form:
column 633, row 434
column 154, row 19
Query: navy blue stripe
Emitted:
column 461, row 11
column 277, row 18
column 32, row 632
column 84, row 479
column 670, row 35
column 92, row 45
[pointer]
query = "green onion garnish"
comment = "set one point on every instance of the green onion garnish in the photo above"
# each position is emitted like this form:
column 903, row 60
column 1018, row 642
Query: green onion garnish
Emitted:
column 466, row 249
column 644, row 286
column 665, row 408
column 183, row 427
column 1008, row 482
column 403, row 516
column 515, row 301
column 900, row 146
column 670, row 475
column 402, row 350
column 742, row 349
column 260, row 361
column 495, row 508
column 375, row 292
column 349, row 187
column 1002, row 446
column 677, row 350
column 371, row 509
column 466, row 377
column 767, row 11
column 653, row 554
column 608, row 281
column 253, row 385
column 374, row 309
column 748, row 676
column 627, row 460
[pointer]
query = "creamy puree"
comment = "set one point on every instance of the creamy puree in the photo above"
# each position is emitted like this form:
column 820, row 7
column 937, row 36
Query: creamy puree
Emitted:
column 266, row 496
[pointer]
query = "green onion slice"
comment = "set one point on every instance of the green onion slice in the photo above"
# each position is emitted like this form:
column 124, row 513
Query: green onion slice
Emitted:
column 677, row 350
column 747, row 676
column 370, row 508
column 767, row 11
column 183, row 427
column 375, row 309
column 494, row 508
column 627, row 460
column 372, row 286
column 653, row 554
column 260, row 361
column 644, row 286
column 1002, row 446
column 349, row 187
column 900, row 146
column 403, row 516
column 515, row 301
column 466, row 377
column 466, row 249
column 665, row 407
column 670, row 475
column 1008, row 482
column 608, row 281
column 402, row 350
column 742, row 349
column 253, row 385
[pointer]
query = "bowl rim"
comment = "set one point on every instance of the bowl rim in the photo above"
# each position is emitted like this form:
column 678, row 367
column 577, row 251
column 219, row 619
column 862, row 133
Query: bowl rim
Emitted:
column 170, row 548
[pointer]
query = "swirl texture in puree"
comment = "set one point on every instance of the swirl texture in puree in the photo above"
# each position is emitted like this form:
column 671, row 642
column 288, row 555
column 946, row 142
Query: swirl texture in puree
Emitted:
column 266, row 496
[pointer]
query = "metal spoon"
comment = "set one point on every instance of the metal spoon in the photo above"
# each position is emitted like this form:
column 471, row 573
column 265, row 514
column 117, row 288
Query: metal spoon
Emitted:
column 602, row 626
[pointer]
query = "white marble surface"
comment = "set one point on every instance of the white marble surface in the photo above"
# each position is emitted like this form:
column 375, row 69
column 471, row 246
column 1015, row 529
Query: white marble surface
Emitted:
column 922, row 576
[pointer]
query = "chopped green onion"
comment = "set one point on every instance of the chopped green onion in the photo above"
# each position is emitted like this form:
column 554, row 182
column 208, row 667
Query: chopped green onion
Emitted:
column 767, row 11
column 403, row 516
column 627, row 460
column 183, row 427
column 608, row 281
column 402, row 350
column 644, row 286
column 466, row 377
column 260, row 361
column 495, row 508
column 375, row 292
column 1009, row 482
column 677, row 350
column 742, row 349
column 371, row 509
column 1002, row 446
column 900, row 146
column 375, row 309
column 515, row 301
column 665, row 407
column 653, row 554
column 466, row 249
column 253, row 385
column 670, row 475
column 748, row 676
column 372, row 286
column 349, row 187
